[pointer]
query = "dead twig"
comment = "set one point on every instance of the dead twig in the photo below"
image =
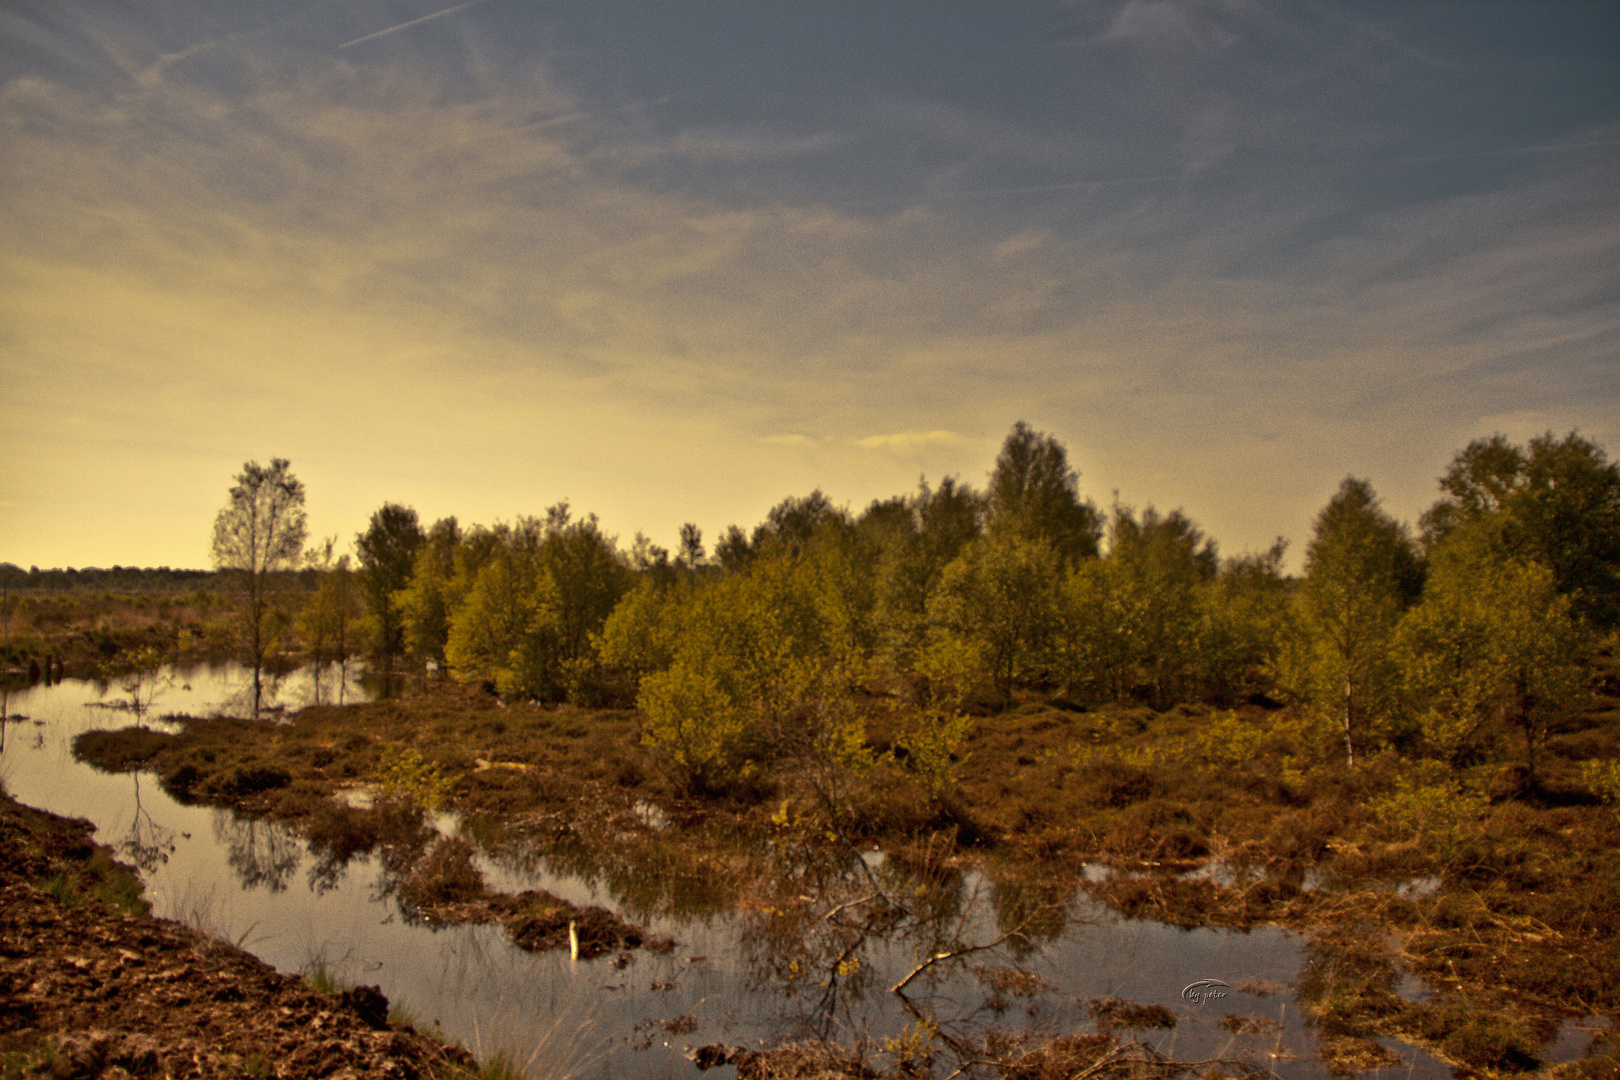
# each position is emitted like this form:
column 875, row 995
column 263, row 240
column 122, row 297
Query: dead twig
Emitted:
column 952, row 954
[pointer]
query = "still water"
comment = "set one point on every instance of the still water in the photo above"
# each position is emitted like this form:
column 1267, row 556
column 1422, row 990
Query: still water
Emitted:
column 734, row 977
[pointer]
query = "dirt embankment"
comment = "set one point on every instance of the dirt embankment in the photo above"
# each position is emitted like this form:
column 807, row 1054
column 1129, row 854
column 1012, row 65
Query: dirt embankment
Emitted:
column 92, row 985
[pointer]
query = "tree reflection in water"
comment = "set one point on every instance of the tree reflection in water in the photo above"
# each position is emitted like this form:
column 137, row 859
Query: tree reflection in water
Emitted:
column 148, row 844
column 1039, row 909
column 259, row 852
column 826, row 920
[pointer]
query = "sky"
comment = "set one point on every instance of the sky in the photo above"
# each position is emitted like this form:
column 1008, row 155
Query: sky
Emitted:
column 674, row 262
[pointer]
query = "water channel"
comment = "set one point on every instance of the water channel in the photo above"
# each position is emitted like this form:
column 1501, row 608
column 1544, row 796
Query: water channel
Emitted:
column 728, row 979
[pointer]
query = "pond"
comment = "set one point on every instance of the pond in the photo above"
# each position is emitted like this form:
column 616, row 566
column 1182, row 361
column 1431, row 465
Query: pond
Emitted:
column 752, row 975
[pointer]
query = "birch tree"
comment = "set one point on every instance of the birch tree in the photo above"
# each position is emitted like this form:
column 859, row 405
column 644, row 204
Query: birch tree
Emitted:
column 1360, row 570
column 260, row 532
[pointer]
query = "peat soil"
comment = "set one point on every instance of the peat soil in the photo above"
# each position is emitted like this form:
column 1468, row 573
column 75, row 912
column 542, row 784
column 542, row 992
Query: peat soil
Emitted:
column 92, row 985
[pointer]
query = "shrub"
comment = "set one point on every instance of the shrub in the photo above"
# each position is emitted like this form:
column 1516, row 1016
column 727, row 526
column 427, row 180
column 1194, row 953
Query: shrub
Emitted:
column 406, row 774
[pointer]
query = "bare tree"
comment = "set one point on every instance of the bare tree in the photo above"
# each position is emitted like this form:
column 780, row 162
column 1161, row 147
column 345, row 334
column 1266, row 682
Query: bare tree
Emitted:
column 260, row 531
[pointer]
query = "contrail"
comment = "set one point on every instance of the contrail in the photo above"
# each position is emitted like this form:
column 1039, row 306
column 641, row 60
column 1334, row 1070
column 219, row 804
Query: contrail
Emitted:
column 413, row 22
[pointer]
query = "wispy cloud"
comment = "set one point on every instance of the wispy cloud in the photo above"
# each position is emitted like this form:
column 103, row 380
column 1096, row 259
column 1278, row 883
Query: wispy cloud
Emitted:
column 414, row 22
column 909, row 440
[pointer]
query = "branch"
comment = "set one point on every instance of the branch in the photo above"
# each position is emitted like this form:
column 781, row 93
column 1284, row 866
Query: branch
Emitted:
column 854, row 903
column 898, row 987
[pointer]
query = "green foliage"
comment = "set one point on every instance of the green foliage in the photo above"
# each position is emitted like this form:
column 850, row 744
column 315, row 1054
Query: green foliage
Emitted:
column 1360, row 569
column 792, row 523
column 934, row 747
column 28, row 1054
column 1428, row 802
column 139, row 673
column 1033, row 496
column 387, row 553
column 1492, row 641
column 425, row 605
column 1226, row 741
column 505, row 604
column 322, row 978
column 536, row 606
column 762, row 654
column 1137, row 617
column 1556, row 503
column 404, row 773
column 501, row 1067
column 1000, row 596
column 954, row 670
column 329, row 621
column 587, row 576
column 1217, row 745
column 914, row 1048
column 63, row 889
column 694, row 720
column 1163, row 563
column 1094, row 648
column 1245, row 611
column 99, row 879
column 1602, row 778
column 640, row 636
column 918, row 537
column 262, row 527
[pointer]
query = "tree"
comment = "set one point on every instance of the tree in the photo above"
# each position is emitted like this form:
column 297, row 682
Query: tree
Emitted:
column 691, row 553
column 259, row 532
column 1556, row 503
column 648, row 559
column 759, row 659
column 793, row 521
column 494, row 632
column 1160, row 563
column 1139, row 617
column 387, row 551
column 140, row 674
column 588, row 577
column 918, row 537
column 1361, row 570
column 999, row 596
column 641, row 635
column 1492, row 640
column 328, row 620
column 733, row 552
column 425, row 605
column 695, row 721
column 535, row 606
column 1033, row 495
column 1245, row 613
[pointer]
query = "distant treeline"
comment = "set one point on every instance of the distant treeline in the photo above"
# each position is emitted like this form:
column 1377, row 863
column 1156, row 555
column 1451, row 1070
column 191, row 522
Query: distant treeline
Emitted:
column 118, row 578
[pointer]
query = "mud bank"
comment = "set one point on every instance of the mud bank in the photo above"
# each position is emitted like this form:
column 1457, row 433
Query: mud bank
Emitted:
column 91, row 985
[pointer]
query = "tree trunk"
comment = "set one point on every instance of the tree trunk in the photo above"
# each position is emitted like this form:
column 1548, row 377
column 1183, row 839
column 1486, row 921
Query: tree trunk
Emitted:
column 1349, row 747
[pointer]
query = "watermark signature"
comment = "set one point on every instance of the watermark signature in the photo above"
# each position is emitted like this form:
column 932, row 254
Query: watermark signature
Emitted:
column 1205, row 990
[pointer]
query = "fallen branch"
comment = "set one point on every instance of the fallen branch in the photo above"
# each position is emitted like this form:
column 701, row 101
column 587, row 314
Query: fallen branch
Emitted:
column 965, row 950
